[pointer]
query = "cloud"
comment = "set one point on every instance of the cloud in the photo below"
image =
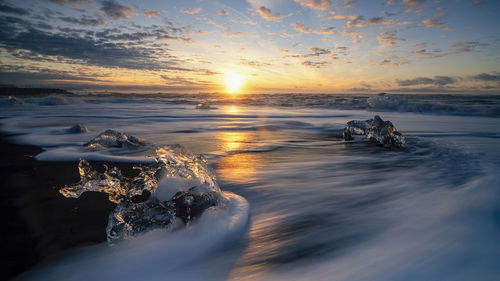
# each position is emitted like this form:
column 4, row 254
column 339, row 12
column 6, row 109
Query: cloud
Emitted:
column 437, row 80
column 388, row 38
column 434, row 22
column 465, row 47
column 301, row 28
column 151, row 14
column 494, row 77
column 477, row 2
column 357, row 21
column 106, row 48
column 66, row 2
column 315, row 64
column 234, row 34
column 348, row 4
column 223, row 12
column 266, row 14
column 424, row 53
column 316, row 52
column 390, row 2
column 250, row 22
column 413, row 2
column 115, row 10
column 84, row 20
column 4, row 8
column 192, row 11
column 42, row 76
column 254, row 63
column 392, row 60
column 315, row 4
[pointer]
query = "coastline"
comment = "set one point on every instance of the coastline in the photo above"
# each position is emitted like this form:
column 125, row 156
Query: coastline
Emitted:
column 40, row 224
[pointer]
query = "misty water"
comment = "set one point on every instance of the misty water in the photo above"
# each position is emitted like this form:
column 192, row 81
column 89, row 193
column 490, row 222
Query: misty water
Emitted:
column 303, row 203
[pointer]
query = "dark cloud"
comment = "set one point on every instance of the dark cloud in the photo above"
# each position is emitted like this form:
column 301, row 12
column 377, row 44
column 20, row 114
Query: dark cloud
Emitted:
column 84, row 20
column 424, row 53
column 465, row 47
column 41, row 77
column 66, row 2
column 494, row 77
column 388, row 38
column 4, row 8
column 477, row 2
column 437, row 80
column 315, row 64
column 100, row 49
column 348, row 4
column 321, row 31
column 316, row 52
column 357, row 21
column 435, row 21
column 254, row 63
column 115, row 10
column 391, row 60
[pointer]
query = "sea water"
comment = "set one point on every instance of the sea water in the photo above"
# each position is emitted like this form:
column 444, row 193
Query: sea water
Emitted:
column 303, row 203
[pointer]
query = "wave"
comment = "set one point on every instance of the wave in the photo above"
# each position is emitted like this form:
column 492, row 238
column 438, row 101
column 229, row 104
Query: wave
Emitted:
column 467, row 105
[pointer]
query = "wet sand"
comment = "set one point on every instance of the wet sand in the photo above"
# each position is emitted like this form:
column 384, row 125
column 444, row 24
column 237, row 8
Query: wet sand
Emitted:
column 38, row 223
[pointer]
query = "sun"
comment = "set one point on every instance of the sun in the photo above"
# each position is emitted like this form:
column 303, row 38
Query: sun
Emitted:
column 233, row 82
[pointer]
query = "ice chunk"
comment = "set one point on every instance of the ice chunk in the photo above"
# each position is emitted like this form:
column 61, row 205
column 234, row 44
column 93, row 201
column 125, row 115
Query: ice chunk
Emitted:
column 118, row 187
column 114, row 139
column 77, row 129
column 375, row 129
column 131, row 217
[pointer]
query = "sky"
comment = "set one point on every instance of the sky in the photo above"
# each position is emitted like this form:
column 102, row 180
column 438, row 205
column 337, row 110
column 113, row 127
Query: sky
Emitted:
column 252, row 46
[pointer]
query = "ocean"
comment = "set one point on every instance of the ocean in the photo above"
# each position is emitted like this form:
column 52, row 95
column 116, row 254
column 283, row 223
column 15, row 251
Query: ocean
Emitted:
column 296, row 201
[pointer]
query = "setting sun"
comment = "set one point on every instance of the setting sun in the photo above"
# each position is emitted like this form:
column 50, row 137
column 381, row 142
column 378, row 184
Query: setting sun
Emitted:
column 233, row 82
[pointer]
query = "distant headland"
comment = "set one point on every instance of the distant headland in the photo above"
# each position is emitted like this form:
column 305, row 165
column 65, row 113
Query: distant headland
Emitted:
column 14, row 91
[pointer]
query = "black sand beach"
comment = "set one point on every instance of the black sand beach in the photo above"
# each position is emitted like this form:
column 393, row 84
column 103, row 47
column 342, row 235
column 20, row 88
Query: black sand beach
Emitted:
column 38, row 222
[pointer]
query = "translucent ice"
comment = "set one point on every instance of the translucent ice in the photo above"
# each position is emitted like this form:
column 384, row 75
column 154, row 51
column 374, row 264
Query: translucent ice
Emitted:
column 112, row 182
column 114, row 139
column 131, row 217
column 375, row 129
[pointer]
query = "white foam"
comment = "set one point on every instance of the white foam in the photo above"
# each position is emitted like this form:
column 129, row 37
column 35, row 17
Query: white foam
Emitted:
column 186, row 254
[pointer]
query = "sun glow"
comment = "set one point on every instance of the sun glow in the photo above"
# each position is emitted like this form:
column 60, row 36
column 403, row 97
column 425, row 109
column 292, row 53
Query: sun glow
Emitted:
column 233, row 82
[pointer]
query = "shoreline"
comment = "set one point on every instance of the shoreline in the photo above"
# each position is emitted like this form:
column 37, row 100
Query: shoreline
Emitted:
column 40, row 223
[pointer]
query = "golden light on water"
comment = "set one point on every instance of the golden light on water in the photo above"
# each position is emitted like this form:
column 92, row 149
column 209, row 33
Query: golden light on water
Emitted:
column 233, row 82
column 238, row 167
column 232, row 140
column 233, row 110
